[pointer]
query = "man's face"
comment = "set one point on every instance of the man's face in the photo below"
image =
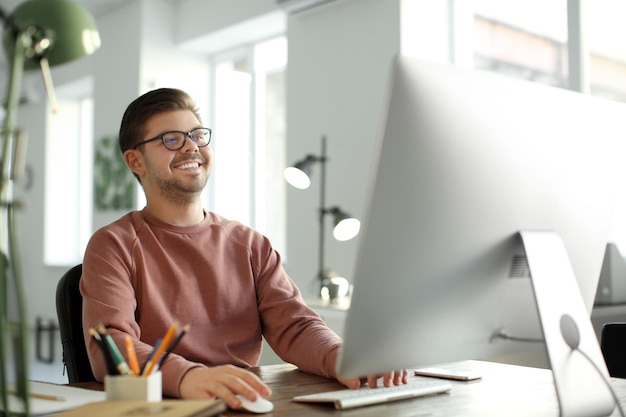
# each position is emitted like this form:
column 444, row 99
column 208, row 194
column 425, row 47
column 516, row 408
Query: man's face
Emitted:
column 177, row 175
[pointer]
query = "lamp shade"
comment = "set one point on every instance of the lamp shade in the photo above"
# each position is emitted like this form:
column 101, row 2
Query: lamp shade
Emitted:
column 70, row 30
column 346, row 226
column 299, row 174
column 297, row 177
column 334, row 286
column 347, row 229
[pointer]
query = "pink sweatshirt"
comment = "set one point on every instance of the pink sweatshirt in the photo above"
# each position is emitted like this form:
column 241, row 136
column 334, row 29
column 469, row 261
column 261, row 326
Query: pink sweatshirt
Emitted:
column 141, row 274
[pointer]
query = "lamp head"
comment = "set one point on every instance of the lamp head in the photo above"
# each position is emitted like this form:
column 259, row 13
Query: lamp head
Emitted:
column 346, row 226
column 297, row 177
column 59, row 30
column 299, row 174
column 333, row 286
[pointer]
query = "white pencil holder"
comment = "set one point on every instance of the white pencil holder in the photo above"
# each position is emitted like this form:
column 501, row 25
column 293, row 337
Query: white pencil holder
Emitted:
column 131, row 387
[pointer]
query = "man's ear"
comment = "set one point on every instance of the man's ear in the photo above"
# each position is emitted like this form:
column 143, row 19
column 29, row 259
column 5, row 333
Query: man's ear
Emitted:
column 134, row 161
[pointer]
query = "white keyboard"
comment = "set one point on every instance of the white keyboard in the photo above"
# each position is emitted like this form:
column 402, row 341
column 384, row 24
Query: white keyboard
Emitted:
column 349, row 398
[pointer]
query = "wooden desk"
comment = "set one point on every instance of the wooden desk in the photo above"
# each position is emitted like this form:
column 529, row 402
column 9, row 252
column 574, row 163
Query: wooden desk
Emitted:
column 503, row 390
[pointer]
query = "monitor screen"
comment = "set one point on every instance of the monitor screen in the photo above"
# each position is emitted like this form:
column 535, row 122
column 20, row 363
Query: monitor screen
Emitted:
column 465, row 160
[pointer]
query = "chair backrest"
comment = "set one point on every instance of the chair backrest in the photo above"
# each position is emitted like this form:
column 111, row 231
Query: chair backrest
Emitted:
column 613, row 345
column 69, row 303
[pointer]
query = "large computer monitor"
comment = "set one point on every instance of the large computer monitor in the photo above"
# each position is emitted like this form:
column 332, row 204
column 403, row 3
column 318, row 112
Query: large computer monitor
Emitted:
column 472, row 173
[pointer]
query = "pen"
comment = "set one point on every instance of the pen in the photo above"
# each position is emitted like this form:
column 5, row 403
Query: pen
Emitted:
column 166, row 341
column 132, row 356
column 118, row 359
column 40, row 396
column 111, row 368
column 174, row 343
column 151, row 355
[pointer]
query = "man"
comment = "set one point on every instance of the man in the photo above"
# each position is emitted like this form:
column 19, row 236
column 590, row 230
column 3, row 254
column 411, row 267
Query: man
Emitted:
column 175, row 262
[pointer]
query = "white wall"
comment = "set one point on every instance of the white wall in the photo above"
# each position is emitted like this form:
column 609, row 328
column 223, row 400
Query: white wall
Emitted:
column 196, row 19
column 117, row 75
column 339, row 59
column 39, row 285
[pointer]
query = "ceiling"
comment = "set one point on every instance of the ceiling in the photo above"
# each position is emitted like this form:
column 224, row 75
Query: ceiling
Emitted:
column 96, row 7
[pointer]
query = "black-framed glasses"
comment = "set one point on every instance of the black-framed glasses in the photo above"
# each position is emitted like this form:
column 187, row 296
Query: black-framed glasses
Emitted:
column 175, row 139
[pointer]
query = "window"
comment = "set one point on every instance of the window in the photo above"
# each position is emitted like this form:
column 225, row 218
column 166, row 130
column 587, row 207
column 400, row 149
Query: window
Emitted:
column 249, row 142
column 528, row 40
column 532, row 40
column 68, row 180
column 523, row 39
column 607, row 51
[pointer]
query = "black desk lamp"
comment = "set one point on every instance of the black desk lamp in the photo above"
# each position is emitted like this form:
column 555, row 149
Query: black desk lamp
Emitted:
column 37, row 34
column 345, row 226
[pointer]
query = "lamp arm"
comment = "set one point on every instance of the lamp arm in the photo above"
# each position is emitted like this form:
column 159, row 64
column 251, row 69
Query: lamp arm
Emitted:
column 47, row 81
column 4, row 330
column 15, row 82
column 322, row 210
column 21, row 342
column 8, row 252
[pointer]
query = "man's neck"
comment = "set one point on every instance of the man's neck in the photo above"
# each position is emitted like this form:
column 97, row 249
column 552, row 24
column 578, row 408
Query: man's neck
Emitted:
column 177, row 215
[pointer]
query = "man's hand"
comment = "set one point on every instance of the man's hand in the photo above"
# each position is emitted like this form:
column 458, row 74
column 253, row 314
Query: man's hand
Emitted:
column 223, row 382
column 389, row 378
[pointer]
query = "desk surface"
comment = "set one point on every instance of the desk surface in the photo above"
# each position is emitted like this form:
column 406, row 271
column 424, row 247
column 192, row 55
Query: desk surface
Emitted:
column 503, row 390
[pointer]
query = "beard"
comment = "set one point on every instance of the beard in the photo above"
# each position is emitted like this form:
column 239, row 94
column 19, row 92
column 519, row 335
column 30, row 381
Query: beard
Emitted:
column 181, row 193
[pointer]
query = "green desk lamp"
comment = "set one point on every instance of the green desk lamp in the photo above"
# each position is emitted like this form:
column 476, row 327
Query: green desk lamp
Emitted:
column 37, row 34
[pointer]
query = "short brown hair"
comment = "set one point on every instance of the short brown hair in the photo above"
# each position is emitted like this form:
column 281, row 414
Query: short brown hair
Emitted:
column 133, row 126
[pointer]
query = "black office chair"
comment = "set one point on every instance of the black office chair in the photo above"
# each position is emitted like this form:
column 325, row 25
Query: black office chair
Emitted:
column 69, row 303
column 613, row 345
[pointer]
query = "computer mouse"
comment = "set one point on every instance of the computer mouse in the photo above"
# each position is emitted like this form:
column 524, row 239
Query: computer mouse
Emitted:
column 261, row 405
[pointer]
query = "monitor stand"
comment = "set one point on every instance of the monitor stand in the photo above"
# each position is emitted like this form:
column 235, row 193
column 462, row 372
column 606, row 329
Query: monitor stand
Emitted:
column 573, row 351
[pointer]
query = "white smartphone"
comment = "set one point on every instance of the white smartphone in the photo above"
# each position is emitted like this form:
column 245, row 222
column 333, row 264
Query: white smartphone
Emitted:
column 456, row 374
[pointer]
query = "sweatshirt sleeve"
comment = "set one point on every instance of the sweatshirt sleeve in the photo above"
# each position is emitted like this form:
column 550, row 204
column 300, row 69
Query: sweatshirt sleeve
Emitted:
column 294, row 330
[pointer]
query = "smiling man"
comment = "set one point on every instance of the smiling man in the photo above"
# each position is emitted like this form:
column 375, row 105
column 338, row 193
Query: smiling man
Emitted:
column 174, row 261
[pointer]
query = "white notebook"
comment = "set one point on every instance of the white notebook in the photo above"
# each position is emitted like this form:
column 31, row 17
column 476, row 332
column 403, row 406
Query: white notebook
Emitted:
column 68, row 397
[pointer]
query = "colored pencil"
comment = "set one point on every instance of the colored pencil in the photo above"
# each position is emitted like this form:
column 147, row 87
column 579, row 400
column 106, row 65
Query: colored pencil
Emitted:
column 118, row 359
column 49, row 397
column 132, row 356
column 174, row 343
column 157, row 356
